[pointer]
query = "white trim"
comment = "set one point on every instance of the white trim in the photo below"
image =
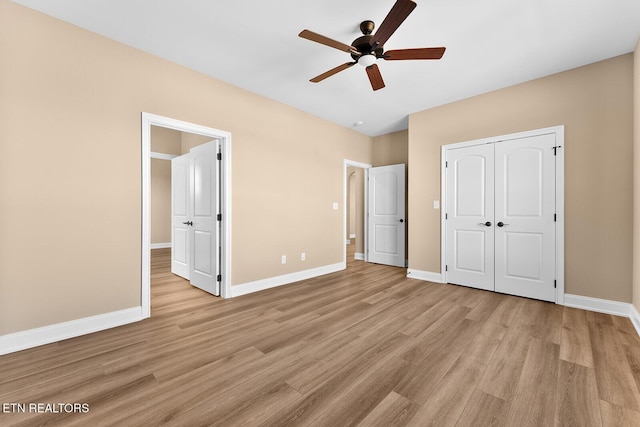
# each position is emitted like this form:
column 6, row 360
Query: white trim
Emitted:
column 272, row 282
column 634, row 316
column 162, row 156
column 352, row 236
column 559, row 132
column 224, row 139
column 61, row 331
column 345, row 183
column 358, row 256
column 160, row 245
column 428, row 276
column 598, row 305
column 347, row 242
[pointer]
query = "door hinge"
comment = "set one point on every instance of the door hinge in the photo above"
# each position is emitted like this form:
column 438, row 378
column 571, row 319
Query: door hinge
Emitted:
column 446, row 164
column 555, row 284
column 219, row 156
column 555, row 149
column 555, row 218
column 219, row 278
column 219, row 217
column 446, row 216
column 446, row 268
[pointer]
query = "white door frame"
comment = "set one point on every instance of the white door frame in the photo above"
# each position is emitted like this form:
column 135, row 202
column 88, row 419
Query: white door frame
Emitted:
column 149, row 120
column 559, row 133
column 345, row 180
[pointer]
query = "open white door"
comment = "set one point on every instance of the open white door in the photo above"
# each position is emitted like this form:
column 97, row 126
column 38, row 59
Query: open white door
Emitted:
column 204, row 208
column 386, row 222
column 180, row 241
column 195, row 203
column 470, row 219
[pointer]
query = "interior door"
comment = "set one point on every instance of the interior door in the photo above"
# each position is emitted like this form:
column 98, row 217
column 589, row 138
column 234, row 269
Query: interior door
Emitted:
column 204, row 208
column 525, row 240
column 386, row 205
column 180, row 232
column 195, row 203
column 470, row 216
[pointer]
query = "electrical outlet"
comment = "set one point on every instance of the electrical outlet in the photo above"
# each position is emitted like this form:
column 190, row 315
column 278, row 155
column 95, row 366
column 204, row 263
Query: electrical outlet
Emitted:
column 303, row 256
column 284, row 259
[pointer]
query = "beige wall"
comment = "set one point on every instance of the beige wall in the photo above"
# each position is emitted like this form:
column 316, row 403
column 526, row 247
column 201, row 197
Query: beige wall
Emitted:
column 167, row 141
column 70, row 167
column 595, row 104
column 391, row 149
column 190, row 140
column 160, row 201
column 636, row 177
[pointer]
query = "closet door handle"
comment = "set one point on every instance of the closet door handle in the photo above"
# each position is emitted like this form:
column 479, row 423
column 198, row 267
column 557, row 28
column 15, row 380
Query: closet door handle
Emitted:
column 501, row 224
column 488, row 223
column 188, row 223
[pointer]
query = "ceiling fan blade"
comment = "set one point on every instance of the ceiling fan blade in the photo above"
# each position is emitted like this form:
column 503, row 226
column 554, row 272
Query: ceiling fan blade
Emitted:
column 318, row 38
column 375, row 77
column 331, row 72
column 395, row 17
column 424, row 53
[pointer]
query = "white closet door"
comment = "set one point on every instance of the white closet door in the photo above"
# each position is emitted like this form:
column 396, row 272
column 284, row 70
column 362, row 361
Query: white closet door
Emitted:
column 470, row 216
column 524, row 214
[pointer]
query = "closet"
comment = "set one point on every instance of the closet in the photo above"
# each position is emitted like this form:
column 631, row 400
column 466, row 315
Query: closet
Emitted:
column 500, row 215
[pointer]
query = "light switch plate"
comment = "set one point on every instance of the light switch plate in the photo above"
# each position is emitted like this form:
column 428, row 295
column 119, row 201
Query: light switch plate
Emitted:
column 335, row 206
column 436, row 204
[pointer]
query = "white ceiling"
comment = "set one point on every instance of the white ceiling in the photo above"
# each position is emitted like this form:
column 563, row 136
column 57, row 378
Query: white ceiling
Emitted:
column 254, row 44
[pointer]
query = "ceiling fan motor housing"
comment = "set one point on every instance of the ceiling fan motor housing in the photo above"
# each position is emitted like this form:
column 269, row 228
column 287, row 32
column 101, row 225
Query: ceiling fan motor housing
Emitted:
column 363, row 43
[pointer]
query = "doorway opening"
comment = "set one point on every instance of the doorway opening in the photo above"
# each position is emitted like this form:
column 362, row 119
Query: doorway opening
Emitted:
column 355, row 202
column 198, row 134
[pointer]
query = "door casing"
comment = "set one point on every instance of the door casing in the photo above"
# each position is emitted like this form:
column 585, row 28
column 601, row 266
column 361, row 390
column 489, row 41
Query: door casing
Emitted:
column 559, row 134
column 149, row 120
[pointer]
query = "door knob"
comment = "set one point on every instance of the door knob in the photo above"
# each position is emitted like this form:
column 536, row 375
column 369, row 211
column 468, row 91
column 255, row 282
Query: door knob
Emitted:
column 188, row 223
column 401, row 220
column 488, row 223
column 501, row 224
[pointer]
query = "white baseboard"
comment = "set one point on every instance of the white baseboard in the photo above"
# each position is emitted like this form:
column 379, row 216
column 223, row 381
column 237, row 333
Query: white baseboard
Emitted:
column 429, row 276
column 160, row 245
column 61, row 331
column 359, row 256
column 634, row 316
column 272, row 282
column 598, row 305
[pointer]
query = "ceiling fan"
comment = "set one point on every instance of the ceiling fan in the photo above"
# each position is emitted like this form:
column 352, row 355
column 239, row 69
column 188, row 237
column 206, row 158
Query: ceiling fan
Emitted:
column 365, row 50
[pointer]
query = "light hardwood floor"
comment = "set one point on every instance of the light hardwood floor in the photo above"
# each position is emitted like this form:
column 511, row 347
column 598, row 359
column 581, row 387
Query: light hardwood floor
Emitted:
column 365, row 346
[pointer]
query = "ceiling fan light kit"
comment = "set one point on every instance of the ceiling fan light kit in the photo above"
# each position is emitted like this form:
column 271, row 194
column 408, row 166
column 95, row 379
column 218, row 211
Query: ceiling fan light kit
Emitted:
column 365, row 50
column 367, row 60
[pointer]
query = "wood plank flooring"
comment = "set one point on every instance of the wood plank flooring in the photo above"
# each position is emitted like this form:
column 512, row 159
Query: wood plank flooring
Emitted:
column 366, row 346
